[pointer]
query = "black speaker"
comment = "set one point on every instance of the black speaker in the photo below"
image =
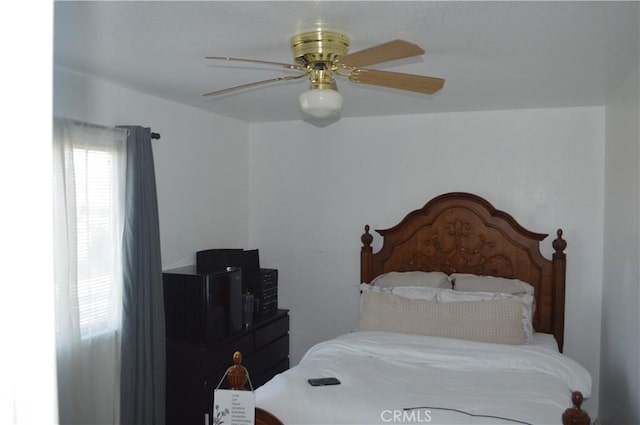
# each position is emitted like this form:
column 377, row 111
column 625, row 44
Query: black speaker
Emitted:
column 267, row 292
column 250, row 265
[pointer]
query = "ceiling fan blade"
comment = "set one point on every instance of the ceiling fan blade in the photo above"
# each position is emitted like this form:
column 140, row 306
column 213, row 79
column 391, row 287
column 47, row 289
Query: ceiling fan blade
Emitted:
column 282, row 65
column 256, row 83
column 397, row 80
column 392, row 50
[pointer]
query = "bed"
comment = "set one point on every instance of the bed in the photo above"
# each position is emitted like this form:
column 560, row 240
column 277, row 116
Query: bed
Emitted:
column 444, row 336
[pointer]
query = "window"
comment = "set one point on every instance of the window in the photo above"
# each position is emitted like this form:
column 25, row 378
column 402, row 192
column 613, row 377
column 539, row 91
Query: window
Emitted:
column 97, row 241
column 89, row 164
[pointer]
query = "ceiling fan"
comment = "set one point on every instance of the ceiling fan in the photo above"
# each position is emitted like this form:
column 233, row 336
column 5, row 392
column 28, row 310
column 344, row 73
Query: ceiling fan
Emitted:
column 320, row 55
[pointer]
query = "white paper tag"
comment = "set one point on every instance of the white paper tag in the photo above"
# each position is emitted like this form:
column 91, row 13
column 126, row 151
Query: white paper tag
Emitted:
column 232, row 407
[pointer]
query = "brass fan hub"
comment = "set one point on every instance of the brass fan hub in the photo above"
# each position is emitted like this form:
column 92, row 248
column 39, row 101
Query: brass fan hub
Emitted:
column 319, row 49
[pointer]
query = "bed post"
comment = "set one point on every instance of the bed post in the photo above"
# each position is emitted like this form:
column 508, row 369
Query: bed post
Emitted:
column 575, row 415
column 366, row 256
column 559, row 274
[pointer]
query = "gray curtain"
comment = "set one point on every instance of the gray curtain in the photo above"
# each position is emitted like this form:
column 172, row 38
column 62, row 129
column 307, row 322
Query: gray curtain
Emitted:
column 142, row 378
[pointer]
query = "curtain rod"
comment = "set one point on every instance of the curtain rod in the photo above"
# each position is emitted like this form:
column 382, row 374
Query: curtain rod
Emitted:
column 155, row 136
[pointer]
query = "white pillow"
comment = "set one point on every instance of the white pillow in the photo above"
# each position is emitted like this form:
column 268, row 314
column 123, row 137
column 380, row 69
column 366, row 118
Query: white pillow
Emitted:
column 472, row 282
column 527, row 300
column 495, row 321
column 415, row 292
column 416, row 278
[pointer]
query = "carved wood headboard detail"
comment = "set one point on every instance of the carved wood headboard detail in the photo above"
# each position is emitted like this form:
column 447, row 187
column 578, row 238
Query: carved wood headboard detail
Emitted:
column 463, row 233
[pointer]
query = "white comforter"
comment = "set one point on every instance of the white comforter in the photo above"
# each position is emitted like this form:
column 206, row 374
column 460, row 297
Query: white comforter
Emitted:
column 383, row 373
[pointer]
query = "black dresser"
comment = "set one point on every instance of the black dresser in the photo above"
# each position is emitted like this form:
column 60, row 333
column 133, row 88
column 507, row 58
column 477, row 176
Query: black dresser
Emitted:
column 194, row 370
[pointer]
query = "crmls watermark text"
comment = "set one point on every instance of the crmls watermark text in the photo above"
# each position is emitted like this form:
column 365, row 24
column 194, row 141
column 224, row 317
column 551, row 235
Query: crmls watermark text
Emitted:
column 406, row 416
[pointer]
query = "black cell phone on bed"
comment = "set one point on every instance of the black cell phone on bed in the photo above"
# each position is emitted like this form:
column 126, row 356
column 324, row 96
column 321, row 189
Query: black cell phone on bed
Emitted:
column 318, row 382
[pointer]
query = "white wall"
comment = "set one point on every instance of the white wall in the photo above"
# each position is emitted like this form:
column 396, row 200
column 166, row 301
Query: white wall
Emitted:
column 313, row 189
column 200, row 162
column 620, row 355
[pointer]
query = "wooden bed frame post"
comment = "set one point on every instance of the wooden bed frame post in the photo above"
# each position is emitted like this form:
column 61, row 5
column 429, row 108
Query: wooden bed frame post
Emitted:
column 559, row 272
column 366, row 256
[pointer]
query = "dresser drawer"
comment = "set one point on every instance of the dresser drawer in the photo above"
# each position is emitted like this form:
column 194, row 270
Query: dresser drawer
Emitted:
column 221, row 357
column 263, row 378
column 267, row 357
column 271, row 332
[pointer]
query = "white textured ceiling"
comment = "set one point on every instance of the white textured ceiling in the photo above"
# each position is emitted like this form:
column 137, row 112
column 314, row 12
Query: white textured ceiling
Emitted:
column 493, row 55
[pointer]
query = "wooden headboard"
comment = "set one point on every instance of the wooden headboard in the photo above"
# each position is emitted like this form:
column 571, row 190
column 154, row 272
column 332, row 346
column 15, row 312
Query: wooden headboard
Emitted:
column 463, row 233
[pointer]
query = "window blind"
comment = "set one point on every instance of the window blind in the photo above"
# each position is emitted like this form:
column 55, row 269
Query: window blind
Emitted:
column 96, row 239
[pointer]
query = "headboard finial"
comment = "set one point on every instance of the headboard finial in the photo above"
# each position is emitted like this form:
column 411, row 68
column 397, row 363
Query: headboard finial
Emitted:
column 559, row 244
column 366, row 239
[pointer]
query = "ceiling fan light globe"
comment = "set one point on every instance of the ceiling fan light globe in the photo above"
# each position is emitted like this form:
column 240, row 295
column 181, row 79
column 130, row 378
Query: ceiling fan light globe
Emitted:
column 321, row 103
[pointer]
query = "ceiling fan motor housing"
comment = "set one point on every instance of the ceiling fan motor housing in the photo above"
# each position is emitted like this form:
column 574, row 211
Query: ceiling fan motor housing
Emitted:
column 319, row 46
column 317, row 51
